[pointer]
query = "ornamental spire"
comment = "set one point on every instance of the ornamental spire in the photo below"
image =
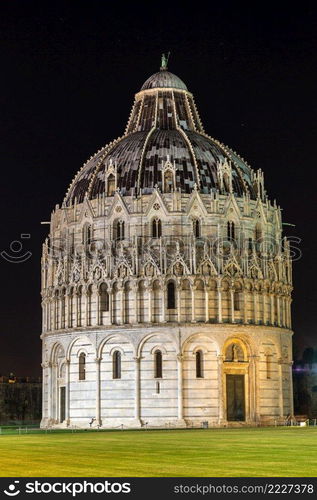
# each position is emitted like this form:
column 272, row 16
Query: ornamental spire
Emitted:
column 164, row 61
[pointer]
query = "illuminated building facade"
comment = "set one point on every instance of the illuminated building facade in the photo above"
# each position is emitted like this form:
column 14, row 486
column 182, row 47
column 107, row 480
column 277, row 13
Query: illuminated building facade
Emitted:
column 166, row 281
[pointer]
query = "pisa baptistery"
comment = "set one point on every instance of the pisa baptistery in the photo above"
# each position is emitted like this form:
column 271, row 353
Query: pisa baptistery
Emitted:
column 166, row 281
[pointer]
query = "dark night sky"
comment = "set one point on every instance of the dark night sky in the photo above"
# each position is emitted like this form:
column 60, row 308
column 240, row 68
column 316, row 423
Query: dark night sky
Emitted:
column 69, row 71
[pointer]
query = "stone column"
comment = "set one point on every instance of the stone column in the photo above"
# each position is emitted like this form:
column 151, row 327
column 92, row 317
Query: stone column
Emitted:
column 232, row 304
column 95, row 307
column 221, row 395
column 65, row 299
column 219, row 315
column 55, row 393
column 121, row 302
column 178, row 291
column 255, row 306
column 44, row 314
column 163, row 315
column 135, row 316
column 46, row 389
column 278, row 309
column 69, row 309
column 110, row 307
column 264, row 307
column 75, row 304
column 180, row 408
column 280, row 373
column 137, row 407
column 289, row 305
column 67, row 398
column 291, row 399
column 52, row 307
column 98, row 417
column 49, row 391
column 133, row 303
column 272, row 308
column 48, row 315
column 149, row 289
column 55, row 313
column 84, row 307
column 60, row 310
column 245, row 304
column 254, row 382
column 206, row 303
column 193, row 289
column 284, row 311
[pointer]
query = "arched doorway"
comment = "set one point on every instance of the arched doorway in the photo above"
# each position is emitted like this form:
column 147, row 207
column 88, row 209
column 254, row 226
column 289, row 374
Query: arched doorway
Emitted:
column 235, row 385
column 58, row 374
column 236, row 370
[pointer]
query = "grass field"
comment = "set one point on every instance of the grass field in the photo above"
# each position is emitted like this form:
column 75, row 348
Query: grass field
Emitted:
column 277, row 451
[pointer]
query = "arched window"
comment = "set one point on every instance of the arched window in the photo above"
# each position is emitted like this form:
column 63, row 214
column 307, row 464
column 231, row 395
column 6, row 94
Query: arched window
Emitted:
column 199, row 364
column 118, row 230
column 258, row 236
column 226, row 182
column 236, row 300
column 196, row 228
column 168, row 181
column 82, row 366
column 171, row 295
column 104, row 298
column 156, row 228
column 116, row 364
column 87, row 234
column 230, row 230
column 111, row 185
column 258, row 232
column 158, row 364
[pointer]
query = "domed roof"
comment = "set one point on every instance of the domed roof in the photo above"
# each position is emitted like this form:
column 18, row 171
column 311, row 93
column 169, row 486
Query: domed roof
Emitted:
column 164, row 79
column 164, row 128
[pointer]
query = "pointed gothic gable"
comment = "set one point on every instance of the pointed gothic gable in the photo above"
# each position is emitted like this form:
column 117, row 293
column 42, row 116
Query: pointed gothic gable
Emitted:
column 259, row 212
column 232, row 268
column 118, row 207
column 122, row 270
column 206, row 267
column 123, row 265
column 195, row 205
column 255, row 272
column 150, row 265
column 178, row 266
column 86, row 211
column 231, row 207
column 156, row 205
column 272, row 274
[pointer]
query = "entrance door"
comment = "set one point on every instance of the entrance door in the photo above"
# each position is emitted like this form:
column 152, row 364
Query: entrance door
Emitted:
column 62, row 403
column 235, row 398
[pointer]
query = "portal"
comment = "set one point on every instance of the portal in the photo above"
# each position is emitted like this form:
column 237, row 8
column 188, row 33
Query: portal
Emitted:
column 62, row 403
column 235, row 398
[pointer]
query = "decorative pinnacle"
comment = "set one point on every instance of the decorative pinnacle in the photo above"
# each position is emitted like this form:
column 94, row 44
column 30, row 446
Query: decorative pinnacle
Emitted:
column 164, row 61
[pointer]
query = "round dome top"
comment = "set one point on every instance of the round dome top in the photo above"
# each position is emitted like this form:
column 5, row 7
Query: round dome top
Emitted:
column 164, row 79
column 164, row 132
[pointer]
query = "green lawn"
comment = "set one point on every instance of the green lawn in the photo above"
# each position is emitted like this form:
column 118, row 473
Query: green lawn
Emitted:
column 277, row 451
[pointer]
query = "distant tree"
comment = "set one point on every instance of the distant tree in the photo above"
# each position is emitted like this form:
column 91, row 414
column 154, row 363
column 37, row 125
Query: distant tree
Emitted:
column 308, row 356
